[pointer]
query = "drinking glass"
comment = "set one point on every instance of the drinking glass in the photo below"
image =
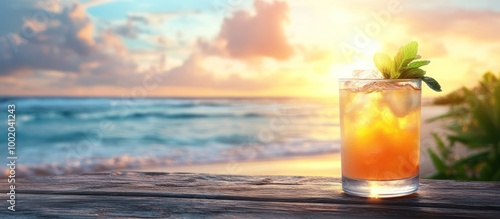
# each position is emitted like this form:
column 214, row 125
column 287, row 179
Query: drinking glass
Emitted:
column 380, row 136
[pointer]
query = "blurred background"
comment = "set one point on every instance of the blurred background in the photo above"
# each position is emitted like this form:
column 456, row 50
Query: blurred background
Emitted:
column 236, row 86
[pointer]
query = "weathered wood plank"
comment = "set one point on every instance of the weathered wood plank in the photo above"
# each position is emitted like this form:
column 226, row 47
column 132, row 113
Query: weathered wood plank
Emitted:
column 259, row 188
column 76, row 206
column 128, row 193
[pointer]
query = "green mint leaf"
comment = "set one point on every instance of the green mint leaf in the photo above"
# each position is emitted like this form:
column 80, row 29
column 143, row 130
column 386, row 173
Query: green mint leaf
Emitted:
column 418, row 64
column 413, row 73
column 432, row 83
column 405, row 65
column 398, row 60
column 407, row 61
column 408, row 51
column 384, row 64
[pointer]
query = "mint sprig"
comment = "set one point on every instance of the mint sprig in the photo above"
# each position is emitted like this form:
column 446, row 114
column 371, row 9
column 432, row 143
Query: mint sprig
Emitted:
column 405, row 65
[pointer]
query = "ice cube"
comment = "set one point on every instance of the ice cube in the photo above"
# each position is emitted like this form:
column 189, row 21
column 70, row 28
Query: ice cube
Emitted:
column 402, row 101
column 377, row 86
column 367, row 74
column 361, row 85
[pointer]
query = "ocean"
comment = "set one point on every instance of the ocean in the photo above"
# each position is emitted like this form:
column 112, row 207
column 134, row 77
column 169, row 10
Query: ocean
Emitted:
column 67, row 135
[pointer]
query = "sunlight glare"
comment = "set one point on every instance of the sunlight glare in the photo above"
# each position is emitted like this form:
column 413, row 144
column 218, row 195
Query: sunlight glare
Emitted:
column 341, row 17
column 362, row 62
column 374, row 191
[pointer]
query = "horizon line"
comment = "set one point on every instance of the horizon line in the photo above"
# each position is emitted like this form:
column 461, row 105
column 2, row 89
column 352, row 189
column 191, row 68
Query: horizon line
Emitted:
column 158, row 97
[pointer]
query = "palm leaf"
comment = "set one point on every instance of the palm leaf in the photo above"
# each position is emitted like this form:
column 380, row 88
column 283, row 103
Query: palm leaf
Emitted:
column 438, row 163
column 471, row 140
column 472, row 160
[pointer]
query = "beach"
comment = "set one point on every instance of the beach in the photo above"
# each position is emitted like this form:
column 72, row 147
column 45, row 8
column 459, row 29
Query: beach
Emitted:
column 249, row 136
column 327, row 164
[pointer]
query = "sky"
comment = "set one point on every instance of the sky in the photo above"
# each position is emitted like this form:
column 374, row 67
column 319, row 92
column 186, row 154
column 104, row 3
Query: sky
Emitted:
column 234, row 47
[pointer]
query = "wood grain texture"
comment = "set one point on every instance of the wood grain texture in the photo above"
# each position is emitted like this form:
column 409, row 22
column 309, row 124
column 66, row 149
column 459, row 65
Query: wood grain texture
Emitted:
column 162, row 195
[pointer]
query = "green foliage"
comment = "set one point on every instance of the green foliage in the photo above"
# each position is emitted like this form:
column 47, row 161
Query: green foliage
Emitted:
column 452, row 98
column 404, row 65
column 384, row 64
column 475, row 115
column 432, row 83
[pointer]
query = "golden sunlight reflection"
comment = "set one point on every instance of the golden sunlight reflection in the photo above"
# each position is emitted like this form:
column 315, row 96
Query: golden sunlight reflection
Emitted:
column 374, row 190
column 364, row 60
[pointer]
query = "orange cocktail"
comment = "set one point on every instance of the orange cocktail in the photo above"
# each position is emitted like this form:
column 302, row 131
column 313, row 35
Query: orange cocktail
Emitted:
column 380, row 132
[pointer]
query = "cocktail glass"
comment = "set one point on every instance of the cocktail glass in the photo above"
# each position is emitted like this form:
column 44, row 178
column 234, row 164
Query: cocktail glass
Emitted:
column 380, row 134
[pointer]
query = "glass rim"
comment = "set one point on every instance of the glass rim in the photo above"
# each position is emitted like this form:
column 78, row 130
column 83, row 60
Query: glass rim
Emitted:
column 380, row 80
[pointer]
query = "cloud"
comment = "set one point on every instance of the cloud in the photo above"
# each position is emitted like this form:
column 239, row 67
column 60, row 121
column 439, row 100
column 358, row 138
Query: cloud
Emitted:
column 128, row 30
column 192, row 74
column 67, row 43
column 79, row 33
column 48, row 45
column 82, row 56
column 137, row 23
column 138, row 18
column 246, row 36
column 93, row 3
column 10, row 13
column 157, row 17
column 476, row 25
column 132, row 26
column 249, row 51
column 69, row 52
column 434, row 48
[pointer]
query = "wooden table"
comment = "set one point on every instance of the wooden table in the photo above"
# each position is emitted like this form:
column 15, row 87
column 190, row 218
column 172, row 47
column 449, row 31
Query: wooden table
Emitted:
column 185, row 195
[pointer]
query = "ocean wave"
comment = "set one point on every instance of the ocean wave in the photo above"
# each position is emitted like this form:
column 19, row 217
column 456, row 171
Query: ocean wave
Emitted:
column 41, row 103
column 140, row 115
column 177, row 157
column 105, row 134
column 35, row 110
column 69, row 105
column 85, row 115
column 169, row 103
column 197, row 104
